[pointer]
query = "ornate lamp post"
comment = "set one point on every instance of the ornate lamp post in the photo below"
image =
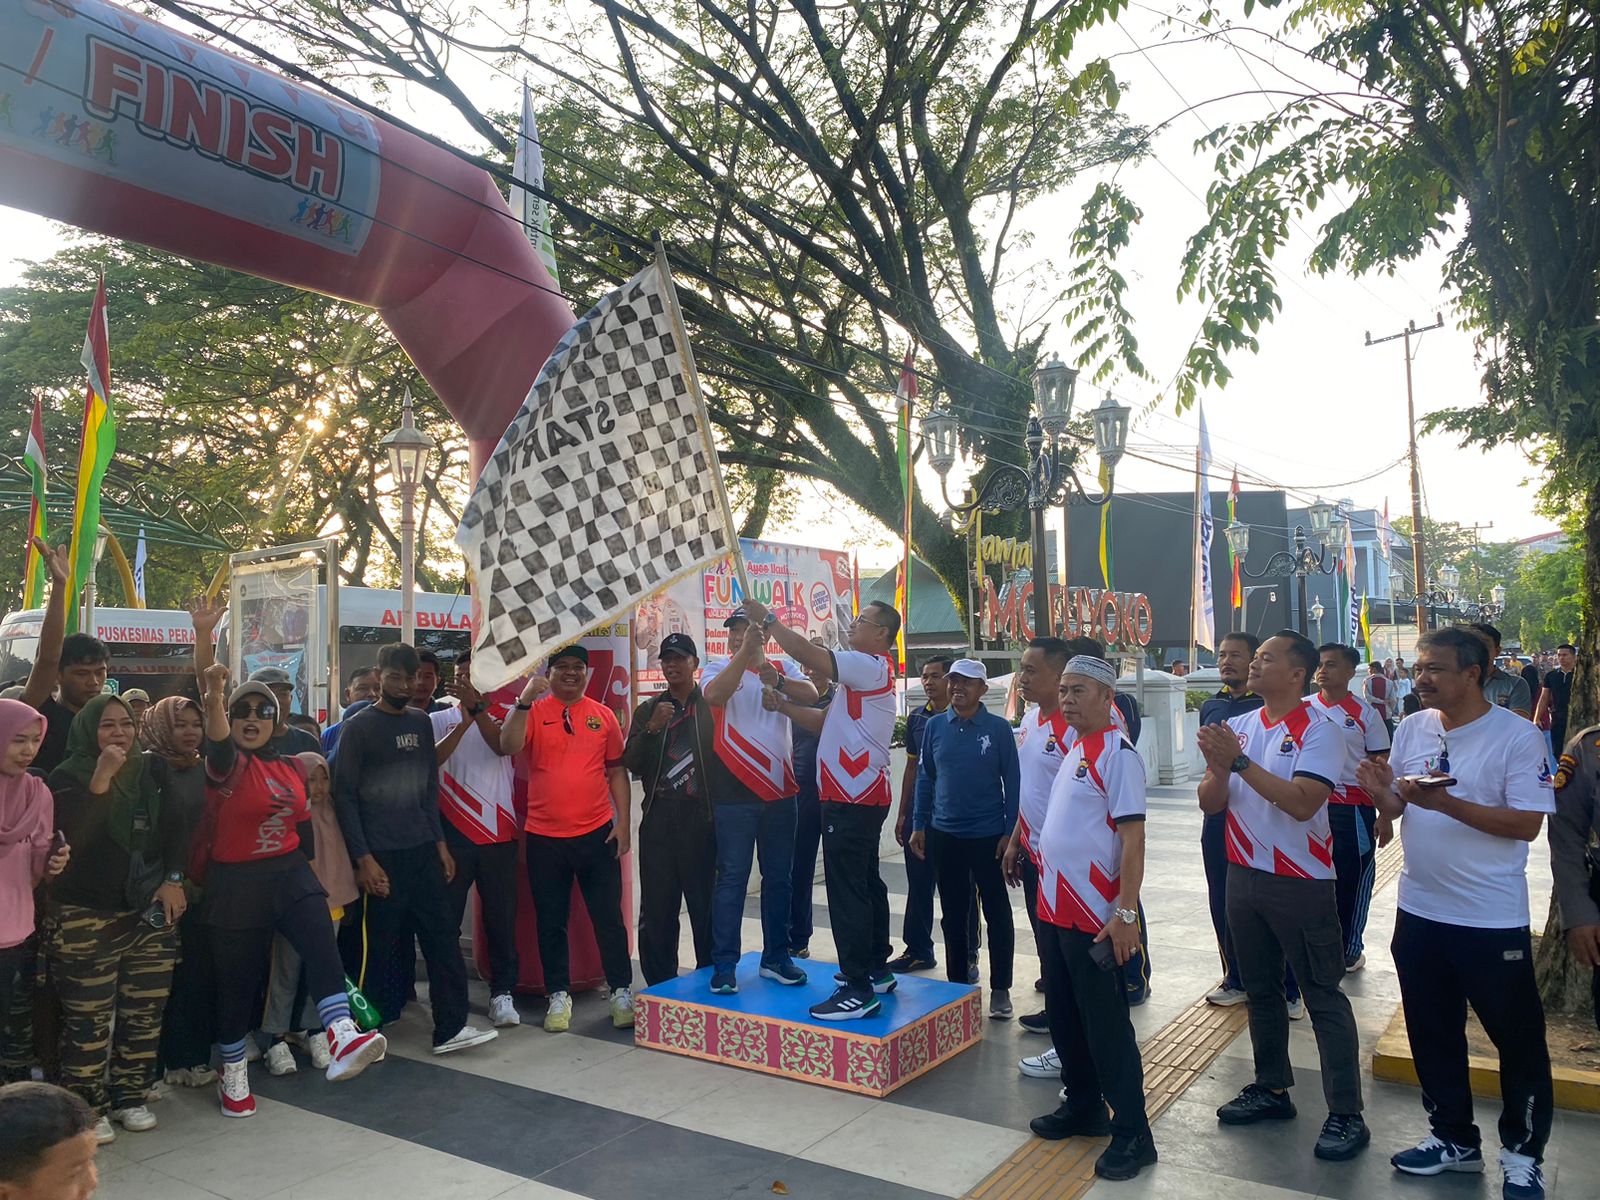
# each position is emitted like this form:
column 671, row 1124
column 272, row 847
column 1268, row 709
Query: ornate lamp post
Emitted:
column 1316, row 615
column 1439, row 594
column 1327, row 524
column 1050, row 477
column 1489, row 609
column 409, row 450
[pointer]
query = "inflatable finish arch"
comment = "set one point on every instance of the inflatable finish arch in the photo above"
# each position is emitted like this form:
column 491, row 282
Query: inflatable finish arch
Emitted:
column 116, row 124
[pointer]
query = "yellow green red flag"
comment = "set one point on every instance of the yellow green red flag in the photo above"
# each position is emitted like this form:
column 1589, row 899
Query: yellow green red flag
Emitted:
column 99, row 444
column 906, row 395
column 33, row 460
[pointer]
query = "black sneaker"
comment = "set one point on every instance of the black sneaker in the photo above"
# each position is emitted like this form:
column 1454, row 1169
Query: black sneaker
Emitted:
column 1069, row 1121
column 881, row 984
column 972, row 971
column 786, row 973
column 1038, row 985
column 1126, row 1156
column 1344, row 1135
column 724, row 983
column 1256, row 1103
column 846, row 1004
column 1038, row 1022
column 909, row 962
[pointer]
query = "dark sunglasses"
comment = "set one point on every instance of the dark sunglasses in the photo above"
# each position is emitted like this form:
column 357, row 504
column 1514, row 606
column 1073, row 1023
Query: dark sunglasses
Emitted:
column 566, row 721
column 244, row 710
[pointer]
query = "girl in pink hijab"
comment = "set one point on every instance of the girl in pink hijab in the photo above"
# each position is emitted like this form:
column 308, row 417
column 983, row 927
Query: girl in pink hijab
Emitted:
column 27, row 820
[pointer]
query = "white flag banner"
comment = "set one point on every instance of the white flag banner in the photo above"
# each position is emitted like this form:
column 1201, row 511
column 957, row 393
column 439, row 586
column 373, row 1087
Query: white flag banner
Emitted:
column 604, row 490
column 140, row 556
column 1201, row 605
column 527, row 205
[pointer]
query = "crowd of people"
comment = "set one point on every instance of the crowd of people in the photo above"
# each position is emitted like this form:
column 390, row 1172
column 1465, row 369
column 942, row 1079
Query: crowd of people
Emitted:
column 195, row 883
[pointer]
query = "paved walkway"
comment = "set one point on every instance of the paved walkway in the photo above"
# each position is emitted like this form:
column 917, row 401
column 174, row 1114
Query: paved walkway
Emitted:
column 536, row 1116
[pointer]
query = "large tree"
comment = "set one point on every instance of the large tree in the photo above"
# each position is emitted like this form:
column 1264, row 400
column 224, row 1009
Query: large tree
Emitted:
column 245, row 409
column 832, row 182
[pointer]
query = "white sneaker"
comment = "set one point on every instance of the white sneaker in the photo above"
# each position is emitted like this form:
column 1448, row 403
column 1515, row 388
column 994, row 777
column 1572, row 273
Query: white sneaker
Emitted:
column 351, row 1051
column 136, row 1119
column 558, row 1014
column 252, row 1049
column 316, row 1043
column 1226, row 997
column 1042, row 1066
column 104, row 1131
column 1297, row 1010
column 157, row 1091
column 503, row 1011
column 466, row 1037
column 233, row 1090
column 280, row 1059
column 622, row 1008
column 191, row 1077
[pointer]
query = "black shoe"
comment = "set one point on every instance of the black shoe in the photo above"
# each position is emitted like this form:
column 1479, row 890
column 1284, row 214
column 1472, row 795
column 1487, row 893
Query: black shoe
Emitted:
column 1038, row 985
column 972, row 971
column 1256, row 1103
column 1344, row 1135
column 846, row 1004
column 883, row 982
column 1038, row 1022
column 1126, row 1156
column 1068, row 1121
column 909, row 962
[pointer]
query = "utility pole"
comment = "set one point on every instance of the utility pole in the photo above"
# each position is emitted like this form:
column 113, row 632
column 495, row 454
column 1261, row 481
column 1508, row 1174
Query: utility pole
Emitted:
column 1417, row 556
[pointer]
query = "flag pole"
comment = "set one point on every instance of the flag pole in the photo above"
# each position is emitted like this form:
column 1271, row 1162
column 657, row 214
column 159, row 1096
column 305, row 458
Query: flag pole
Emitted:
column 1194, row 563
column 682, row 338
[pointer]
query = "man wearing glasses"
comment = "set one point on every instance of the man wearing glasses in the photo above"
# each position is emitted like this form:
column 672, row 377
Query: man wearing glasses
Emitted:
column 1470, row 783
column 853, row 782
column 578, row 829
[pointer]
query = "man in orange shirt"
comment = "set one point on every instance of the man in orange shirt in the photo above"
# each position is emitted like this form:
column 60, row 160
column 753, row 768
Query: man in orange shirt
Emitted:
column 577, row 828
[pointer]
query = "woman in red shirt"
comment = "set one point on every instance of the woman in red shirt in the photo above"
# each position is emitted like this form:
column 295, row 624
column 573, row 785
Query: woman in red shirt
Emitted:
column 255, row 849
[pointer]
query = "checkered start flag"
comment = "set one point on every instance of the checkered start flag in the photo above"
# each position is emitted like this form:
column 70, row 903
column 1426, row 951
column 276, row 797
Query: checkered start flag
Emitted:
column 604, row 490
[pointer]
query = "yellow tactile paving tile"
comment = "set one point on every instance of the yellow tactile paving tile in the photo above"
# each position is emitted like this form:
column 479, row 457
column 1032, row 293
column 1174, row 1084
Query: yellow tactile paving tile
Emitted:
column 1174, row 1056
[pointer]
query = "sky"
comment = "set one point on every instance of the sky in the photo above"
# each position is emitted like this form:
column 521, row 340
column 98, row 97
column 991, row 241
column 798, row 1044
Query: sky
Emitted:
column 1316, row 410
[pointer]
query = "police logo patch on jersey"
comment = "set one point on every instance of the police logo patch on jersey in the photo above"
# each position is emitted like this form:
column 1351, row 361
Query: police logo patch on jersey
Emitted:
column 1566, row 767
column 1545, row 778
column 1083, row 769
column 1287, row 746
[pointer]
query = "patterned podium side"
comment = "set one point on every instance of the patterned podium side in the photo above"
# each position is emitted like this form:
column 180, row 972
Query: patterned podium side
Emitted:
column 766, row 1027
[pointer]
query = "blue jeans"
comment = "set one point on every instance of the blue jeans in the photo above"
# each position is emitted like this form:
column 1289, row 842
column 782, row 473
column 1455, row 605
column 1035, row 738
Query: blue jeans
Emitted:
column 917, row 929
column 807, row 841
column 745, row 831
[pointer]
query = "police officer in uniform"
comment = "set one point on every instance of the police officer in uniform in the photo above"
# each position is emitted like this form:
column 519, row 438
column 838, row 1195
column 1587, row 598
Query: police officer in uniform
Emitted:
column 1577, row 868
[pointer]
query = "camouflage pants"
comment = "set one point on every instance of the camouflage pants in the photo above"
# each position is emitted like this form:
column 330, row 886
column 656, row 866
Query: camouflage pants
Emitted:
column 113, row 973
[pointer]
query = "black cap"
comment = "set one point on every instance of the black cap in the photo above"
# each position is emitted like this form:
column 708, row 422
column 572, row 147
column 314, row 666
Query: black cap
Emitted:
column 735, row 618
column 576, row 650
column 678, row 643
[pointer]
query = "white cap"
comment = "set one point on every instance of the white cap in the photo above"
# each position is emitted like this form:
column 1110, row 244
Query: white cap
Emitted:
column 1097, row 669
column 969, row 667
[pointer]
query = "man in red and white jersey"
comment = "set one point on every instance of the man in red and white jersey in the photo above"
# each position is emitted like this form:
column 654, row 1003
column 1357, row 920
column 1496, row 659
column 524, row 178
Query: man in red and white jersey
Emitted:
column 853, row 779
column 755, row 815
column 1352, row 819
column 1272, row 771
column 476, row 779
column 1089, row 849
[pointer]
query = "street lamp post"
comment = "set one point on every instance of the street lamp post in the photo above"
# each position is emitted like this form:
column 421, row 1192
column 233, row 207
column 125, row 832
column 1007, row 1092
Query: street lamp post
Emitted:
column 1439, row 594
column 1050, row 477
column 1327, row 524
column 409, row 450
column 90, row 590
column 1316, row 615
column 1488, row 609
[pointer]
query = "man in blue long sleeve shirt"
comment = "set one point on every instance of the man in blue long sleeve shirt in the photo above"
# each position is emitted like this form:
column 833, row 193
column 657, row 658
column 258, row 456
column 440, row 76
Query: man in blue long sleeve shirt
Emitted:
column 968, row 789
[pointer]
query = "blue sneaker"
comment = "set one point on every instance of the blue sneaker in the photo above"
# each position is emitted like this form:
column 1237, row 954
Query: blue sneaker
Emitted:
column 1435, row 1156
column 723, row 982
column 1523, row 1178
column 784, row 972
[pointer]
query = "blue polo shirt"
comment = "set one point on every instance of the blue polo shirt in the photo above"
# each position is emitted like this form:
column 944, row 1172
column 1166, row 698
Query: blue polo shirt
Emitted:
column 1225, row 706
column 968, row 780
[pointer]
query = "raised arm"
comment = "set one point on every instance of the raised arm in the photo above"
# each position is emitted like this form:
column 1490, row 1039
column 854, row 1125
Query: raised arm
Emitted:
column 47, row 661
column 514, row 733
column 205, row 615
column 791, row 641
column 719, row 689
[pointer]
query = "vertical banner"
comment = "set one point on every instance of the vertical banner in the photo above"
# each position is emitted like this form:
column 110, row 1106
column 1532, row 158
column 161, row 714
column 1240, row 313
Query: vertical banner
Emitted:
column 1351, row 617
column 1236, row 594
column 1105, row 533
column 38, row 524
column 1201, row 634
column 98, row 445
column 141, row 556
column 527, row 204
column 905, row 394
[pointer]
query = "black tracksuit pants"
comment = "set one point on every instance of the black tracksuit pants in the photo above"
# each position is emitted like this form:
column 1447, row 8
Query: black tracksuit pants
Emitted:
column 858, row 901
column 417, row 904
column 677, row 869
column 554, row 864
column 960, row 863
column 1442, row 969
column 492, row 869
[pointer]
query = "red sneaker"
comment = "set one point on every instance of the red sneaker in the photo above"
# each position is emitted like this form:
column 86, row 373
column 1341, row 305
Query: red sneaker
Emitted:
column 233, row 1090
column 352, row 1051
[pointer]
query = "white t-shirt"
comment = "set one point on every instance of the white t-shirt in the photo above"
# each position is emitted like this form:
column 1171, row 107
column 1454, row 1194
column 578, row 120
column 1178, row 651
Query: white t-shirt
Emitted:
column 1262, row 835
column 1101, row 782
column 1363, row 733
column 1042, row 744
column 475, row 783
column 754, row 744
column 853, row 752
column 1454, row 873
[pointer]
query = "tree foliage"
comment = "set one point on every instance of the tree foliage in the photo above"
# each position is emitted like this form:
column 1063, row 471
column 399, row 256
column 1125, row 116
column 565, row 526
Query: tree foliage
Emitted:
column 250, row 411
column 833, row 182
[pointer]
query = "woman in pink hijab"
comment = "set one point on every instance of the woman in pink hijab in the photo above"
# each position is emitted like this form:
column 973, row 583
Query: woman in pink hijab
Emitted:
column 27, row 827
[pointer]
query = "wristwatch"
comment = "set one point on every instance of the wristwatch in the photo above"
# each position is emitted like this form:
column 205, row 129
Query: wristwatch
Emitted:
column 1239, row 764
column 477, row 710
column 174, row 876
column 768, row 621
column 1130, row 916
column 523, row 707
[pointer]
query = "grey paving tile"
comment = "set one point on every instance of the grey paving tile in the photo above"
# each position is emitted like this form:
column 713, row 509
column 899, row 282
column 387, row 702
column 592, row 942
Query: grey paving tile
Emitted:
column 657, row 1160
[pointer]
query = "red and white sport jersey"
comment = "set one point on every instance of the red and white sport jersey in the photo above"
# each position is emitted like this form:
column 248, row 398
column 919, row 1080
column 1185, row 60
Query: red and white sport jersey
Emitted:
column 1041, row 748
column 476, row 783
column 853, row 752
column 1079, row 851
column 754, row 744
column 1262, row 835
column 1364, row 733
